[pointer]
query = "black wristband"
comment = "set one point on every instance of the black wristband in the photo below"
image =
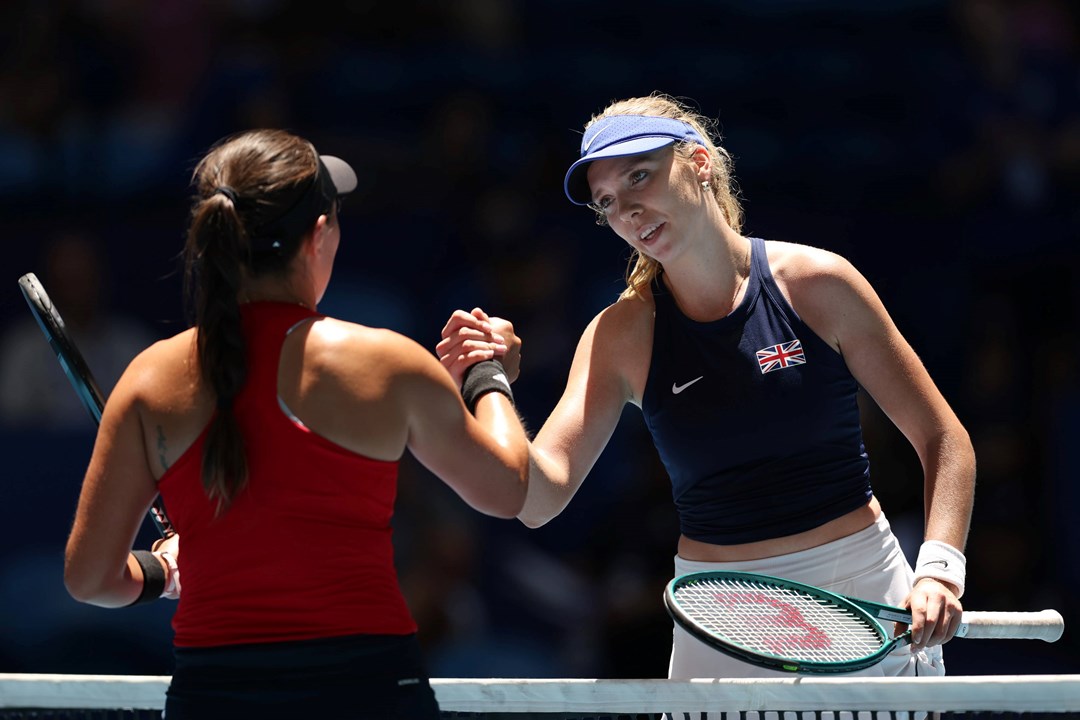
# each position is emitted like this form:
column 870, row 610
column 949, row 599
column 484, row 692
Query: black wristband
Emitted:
column 153, row 576
column 484, row 377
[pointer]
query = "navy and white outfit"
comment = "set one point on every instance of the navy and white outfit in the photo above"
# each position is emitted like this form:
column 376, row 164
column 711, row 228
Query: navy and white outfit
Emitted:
column 756, row 420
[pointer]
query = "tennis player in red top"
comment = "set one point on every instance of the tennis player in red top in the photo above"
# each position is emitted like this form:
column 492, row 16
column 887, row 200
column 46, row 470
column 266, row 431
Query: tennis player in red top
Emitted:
column 273, row 434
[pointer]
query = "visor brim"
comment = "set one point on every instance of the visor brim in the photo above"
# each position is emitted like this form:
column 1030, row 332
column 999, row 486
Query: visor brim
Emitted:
column 576, row 182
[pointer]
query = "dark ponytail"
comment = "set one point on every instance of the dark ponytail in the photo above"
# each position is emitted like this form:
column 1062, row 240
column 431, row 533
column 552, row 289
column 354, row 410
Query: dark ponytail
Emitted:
column 238, row 184
column 214, row 272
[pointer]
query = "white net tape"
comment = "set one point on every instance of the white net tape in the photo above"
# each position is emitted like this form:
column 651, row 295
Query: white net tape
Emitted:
column 998, row 694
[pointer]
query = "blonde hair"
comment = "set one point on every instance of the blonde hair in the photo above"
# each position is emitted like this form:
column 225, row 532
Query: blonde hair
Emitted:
column 642, row 270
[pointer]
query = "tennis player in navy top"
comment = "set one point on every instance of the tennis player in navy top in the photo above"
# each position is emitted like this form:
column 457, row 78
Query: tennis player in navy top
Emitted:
column 745, row 357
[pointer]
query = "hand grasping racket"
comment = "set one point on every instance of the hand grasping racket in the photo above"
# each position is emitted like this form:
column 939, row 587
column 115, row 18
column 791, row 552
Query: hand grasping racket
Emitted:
column 785, row 625
column 71, row 360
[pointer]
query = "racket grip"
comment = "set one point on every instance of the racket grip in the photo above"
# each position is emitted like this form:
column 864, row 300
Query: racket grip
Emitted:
column 161, row 520
column 1045, row 625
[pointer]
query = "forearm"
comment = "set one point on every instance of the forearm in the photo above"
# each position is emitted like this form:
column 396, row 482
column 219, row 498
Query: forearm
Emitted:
column 497, row 415
column 949, row 468
column 564, row 452
column 111, row 590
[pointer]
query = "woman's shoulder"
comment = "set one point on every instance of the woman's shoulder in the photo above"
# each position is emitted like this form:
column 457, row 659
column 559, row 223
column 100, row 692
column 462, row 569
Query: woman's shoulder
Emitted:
column 794, row 263
column 619, row 331
column 822, row 286
column 627, row 314
column 783, row 252
column 343, row 334
column 163, row 358
column 163, row 372
column 343, row 345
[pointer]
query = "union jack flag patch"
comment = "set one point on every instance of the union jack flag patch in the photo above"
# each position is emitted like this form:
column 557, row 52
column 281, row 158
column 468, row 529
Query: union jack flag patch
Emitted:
column 778, row 357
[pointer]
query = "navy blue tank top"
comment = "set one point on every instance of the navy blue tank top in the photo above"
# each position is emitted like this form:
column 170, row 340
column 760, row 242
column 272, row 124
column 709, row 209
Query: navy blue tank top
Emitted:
column 755, row 418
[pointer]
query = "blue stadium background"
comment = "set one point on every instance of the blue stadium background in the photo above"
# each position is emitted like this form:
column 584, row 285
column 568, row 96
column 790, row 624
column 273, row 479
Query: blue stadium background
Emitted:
column 935, row 144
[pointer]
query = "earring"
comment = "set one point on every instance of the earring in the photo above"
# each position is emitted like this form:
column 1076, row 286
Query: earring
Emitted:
column 705, row 185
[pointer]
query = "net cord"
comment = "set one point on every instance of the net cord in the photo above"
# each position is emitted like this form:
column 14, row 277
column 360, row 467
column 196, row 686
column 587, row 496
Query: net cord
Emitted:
column 996, row 693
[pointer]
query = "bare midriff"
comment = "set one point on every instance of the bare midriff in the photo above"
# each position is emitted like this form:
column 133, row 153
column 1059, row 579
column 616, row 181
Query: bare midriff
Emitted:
column 854, row 521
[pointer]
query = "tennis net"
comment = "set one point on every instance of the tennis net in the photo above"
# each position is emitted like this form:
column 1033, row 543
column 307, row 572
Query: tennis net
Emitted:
column 112, row 697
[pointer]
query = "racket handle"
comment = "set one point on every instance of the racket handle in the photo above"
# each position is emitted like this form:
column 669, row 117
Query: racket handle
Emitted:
column 1045, row 625
column 161, row 520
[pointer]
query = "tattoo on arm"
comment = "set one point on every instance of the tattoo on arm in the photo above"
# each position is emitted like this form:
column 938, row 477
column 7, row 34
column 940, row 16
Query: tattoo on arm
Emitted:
column 161, row 447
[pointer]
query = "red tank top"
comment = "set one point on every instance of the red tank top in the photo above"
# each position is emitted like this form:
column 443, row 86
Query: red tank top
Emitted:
column 304, row 551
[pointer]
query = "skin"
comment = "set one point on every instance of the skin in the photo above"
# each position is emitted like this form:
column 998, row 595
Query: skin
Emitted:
column 655, row 203
column 369, row 390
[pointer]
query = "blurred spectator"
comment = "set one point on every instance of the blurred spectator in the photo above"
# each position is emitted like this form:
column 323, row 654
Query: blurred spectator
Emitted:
column 1017, row 107
column 33, row 388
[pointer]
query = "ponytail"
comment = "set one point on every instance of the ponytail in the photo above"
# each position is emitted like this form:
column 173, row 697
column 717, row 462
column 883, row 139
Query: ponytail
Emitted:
column 241, row 228
column 216, row 254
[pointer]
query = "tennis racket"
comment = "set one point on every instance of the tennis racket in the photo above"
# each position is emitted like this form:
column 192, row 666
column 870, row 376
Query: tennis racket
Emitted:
column 785, row 625
column 76, row 369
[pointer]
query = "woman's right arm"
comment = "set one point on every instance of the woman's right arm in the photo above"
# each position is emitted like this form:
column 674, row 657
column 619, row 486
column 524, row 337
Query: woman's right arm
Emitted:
column 484, row 458
column 606, row 373
column 580, row 426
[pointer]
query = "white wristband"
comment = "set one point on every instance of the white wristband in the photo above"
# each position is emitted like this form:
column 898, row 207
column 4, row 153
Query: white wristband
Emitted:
column 172, row 582
column 941, row 561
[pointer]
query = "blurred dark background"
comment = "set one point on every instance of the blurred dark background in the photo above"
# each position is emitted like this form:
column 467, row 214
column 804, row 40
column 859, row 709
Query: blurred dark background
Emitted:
column 935, row 144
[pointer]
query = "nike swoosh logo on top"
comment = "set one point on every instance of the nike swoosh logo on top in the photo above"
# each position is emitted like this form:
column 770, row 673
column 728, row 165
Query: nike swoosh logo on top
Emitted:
column 676, row 388
column 943, row 563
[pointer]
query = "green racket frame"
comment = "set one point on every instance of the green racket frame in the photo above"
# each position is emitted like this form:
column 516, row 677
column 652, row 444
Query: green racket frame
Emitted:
column 864, row 612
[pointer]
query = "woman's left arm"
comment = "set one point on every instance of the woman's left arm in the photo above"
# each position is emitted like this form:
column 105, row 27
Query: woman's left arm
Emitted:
column 116, row 495
column 841, row 306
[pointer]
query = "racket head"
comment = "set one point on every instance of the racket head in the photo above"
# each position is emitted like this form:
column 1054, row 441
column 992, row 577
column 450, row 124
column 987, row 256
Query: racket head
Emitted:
column 777, row 623
column 71, row 360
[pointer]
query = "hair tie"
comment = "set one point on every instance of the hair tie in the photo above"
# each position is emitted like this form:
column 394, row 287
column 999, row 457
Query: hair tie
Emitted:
column 227, row 192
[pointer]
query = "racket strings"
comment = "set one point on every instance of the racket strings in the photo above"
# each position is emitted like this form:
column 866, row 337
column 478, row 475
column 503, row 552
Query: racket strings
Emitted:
column 779, row 621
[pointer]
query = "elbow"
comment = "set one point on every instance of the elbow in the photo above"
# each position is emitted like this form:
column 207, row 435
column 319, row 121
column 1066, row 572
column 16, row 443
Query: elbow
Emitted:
column 88, row 581
column 532, row 522
column 549, row 490
column 503, row 511
column 534, row 513
column 503, row 499
column 514, row 502
column 80, row 585
column 517, row 463
column 950, row 440
column 956, row 437
column 962, row 447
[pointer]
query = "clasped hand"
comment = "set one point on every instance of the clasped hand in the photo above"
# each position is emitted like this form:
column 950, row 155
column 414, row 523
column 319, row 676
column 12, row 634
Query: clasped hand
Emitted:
column 470, row 337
